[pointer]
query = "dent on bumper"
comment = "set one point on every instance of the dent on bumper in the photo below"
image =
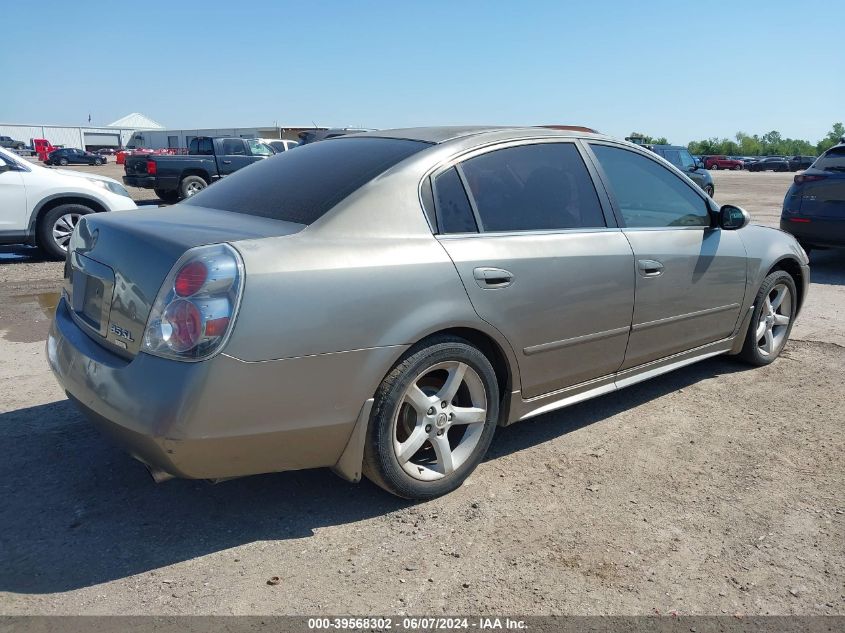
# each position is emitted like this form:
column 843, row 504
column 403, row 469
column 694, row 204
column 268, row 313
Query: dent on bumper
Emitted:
column 222, row 417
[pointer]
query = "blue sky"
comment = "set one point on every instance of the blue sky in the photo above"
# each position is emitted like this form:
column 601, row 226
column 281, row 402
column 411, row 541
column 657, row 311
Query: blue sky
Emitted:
column 681, row 69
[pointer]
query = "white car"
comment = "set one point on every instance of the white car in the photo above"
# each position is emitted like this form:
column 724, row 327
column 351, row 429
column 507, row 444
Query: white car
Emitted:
column 279, row 144
column 42, row 206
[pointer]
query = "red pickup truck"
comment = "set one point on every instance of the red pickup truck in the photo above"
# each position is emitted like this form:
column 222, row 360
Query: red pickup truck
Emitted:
column 722, row 162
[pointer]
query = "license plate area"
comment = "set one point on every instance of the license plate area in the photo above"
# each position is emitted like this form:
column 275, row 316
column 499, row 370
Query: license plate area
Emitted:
column 92, row 286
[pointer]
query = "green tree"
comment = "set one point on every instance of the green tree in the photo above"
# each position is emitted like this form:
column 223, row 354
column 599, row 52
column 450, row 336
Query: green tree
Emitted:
column 645, row 139
column 833, row 138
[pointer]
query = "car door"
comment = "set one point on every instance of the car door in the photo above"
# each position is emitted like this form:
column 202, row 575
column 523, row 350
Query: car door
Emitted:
column 13, row 215
column 690, row 277
column 234, row 156
column 541, row 259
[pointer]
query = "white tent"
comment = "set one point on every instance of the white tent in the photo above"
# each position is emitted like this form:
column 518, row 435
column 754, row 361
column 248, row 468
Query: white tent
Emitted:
column 137, row 121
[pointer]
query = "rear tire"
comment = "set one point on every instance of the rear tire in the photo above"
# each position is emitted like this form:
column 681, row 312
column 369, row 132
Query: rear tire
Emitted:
column 191, row 185
column 98, row 161
column 167, row 195
column 56, row 226
column 433, row 419
column 771, row 320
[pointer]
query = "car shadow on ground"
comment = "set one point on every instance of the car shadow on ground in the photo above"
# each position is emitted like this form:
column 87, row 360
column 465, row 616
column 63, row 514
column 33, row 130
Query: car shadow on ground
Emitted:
column 77, row 511
column 828, row 267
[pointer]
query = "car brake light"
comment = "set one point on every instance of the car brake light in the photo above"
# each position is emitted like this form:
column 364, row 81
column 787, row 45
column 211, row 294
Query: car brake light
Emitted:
column 190, row 278
column 802, row 178
column 196, row 306
column 152, row 168
column 802, row 220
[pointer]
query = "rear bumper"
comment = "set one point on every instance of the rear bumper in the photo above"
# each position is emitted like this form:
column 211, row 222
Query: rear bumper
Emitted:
column 218, row 418
column 823, row 232
column 152, row 182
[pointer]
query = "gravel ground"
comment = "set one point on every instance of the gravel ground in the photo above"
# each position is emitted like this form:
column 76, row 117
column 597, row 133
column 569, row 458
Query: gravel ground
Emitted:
column 717, row 489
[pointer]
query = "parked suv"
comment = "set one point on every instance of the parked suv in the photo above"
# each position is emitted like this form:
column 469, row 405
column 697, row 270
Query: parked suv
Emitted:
column 722, row 162
column 42, row 206
column 773, row 163
column 681, row 158
column 814, row 206
column 10, row 143
column 797, row 163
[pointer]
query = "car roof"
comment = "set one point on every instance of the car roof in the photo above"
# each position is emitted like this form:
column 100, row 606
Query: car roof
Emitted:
column 442, row 134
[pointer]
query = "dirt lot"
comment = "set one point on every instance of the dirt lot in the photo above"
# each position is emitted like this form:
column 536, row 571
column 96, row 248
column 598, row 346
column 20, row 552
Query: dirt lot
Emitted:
column 716, row 489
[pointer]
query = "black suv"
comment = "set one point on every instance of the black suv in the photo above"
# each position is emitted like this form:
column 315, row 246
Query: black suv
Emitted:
column 680, row 157
column 814, row 206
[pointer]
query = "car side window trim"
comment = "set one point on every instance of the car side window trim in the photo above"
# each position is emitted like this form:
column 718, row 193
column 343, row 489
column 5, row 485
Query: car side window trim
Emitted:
column 608, row 211
column 615, row 204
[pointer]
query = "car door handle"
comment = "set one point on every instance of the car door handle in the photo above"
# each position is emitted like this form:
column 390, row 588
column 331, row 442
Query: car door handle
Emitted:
column 487, row 277
column 650, row 267
column 227, row 162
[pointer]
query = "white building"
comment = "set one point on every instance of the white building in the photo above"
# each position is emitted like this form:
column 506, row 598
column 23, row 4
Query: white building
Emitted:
column 116, row 134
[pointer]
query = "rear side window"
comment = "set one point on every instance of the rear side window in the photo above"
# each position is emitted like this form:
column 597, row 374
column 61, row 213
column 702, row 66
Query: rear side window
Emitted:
column 454, row 215
column 648, row 194
column 832, row 160
column 533, row 187
column 302, row 186
column 233, row 147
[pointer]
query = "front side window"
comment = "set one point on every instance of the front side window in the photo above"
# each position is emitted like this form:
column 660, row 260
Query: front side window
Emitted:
column 533, row 187
column 259, row 149
column 648, row 194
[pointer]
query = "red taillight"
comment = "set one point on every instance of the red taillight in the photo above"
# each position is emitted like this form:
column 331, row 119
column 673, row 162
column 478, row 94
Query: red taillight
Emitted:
column 802, row 220
column 190, row 278
column 151, row 167
column 802, row 178
column 216, row 327
column 181, row 325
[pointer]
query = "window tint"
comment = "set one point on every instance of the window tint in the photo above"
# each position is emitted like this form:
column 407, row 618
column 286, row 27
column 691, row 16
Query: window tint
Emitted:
column 302, row 186
column 233, row 147
column 454, row 214
column 533, row 187
column 832, row 160
column 673, row 156
column 647, row 193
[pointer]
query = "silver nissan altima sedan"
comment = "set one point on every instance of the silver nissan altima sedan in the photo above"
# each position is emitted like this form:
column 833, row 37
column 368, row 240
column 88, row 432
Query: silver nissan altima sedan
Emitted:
column 380, row 303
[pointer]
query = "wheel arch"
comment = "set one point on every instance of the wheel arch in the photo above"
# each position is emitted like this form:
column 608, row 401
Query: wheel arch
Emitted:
column 53, row 201
column 791, row 266
column 195, row 172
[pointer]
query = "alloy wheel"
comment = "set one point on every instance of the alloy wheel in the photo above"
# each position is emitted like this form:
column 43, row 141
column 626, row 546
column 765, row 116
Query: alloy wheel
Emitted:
column 193, row 188
column 440, row 420
column 774, row 320
column 63, row 229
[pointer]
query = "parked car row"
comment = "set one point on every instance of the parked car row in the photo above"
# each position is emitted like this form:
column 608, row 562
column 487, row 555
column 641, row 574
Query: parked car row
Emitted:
column 756, row 163
column 73, row 156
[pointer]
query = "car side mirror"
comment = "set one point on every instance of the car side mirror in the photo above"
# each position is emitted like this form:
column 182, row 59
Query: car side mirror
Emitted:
column 693, row 167
column 732, row 218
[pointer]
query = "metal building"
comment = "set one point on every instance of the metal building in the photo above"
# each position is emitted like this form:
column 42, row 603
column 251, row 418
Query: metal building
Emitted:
column 116, row 134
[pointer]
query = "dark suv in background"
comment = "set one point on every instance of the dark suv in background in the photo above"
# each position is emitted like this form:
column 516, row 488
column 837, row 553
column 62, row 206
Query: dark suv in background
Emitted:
column 680, row 157
column 814, row 207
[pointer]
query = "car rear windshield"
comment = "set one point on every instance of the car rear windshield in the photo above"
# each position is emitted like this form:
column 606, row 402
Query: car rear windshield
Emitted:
column 832, row 160
column 302, row 186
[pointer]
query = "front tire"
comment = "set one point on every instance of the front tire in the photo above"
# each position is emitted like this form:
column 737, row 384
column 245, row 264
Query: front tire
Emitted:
column 771, row 320
column 63, row 162
column 98, row 161
column 708, row 189
column 433, row 419
column 56, row 228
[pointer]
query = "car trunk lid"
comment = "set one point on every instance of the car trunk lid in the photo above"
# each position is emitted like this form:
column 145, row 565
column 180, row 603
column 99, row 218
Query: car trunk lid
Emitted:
column 118, row 262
